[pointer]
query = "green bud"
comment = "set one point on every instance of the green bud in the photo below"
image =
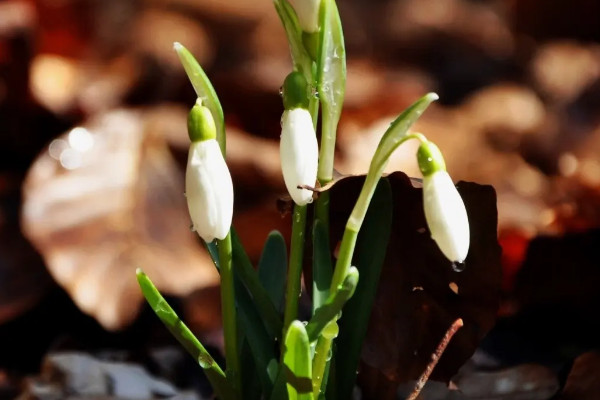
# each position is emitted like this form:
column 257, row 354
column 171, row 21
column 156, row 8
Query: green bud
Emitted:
column 295, row 91
column 201, row 125
column 430, row 158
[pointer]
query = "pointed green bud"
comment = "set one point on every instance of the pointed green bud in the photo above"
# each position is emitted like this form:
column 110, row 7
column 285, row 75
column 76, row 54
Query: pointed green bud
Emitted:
column 201, row 125
column 295, row 91
column 430, row 158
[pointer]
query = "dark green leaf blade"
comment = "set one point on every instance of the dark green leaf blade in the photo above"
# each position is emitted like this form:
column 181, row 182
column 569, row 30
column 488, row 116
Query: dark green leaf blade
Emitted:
column 322, row 265
column 244, row 270
column 272, row 268
column 369, row 256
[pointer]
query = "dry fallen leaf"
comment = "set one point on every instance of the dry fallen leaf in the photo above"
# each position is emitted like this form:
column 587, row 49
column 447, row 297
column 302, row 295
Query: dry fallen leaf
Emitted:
column 104, row 199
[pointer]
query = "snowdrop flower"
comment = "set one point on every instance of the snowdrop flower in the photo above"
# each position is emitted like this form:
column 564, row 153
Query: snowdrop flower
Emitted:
column 444, row 209
column 308, row 14
column 298, row 147
column 208, row 186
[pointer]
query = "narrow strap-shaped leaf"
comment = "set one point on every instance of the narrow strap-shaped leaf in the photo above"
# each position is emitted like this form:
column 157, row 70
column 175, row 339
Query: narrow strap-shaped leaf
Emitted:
column 213, row 251
column 280, row 386
column 329, row 311
column 331, row 83
column 297, row 363
column 369, row 256
column 252, row 388
column 322, row 265
column 204, row 90
column 245, row 271
column 272, row 268
column 261, row 344
column 182, row 333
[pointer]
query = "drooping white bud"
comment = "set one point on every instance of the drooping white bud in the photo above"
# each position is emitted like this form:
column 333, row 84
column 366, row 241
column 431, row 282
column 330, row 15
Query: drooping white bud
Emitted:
column 208, row 186
column 446, row 216
column 445, row 210
column 299, row 153
column 209, row 190
column 308, row 14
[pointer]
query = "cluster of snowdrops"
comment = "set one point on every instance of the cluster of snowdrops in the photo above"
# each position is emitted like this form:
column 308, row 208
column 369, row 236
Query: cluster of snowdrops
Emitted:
column 264, row 337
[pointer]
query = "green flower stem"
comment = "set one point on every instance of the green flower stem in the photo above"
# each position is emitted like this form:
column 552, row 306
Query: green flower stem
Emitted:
column 293, row 288
column 229, row 314
column 345, row 253
column 358, row 215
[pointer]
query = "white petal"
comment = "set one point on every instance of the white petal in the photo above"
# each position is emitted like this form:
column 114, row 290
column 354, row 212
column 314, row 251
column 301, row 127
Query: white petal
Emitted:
column 446, row 216
column 209, row 190
column 299, row 153
column 308, row 14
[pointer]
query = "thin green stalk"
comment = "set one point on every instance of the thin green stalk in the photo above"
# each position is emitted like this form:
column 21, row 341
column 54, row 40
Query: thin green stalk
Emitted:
column 320, row 359
column 293, row 288
column 344, row 258
column 229, row 315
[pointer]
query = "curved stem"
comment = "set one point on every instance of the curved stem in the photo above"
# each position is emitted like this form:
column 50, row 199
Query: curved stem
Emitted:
column 229, row 314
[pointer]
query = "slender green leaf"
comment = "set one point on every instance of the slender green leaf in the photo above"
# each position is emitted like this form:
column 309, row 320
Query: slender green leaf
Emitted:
column 245, row 271
column 204, row 90
column 251, row 382
column 322, row 264
column 329, row 311
column 262, row 346
column 272, row 268
column 297, row 363
column 213, row 250
column 369, row 255
column 331, row 83
column 260, row 342
column 184, row 336
column 280, row 386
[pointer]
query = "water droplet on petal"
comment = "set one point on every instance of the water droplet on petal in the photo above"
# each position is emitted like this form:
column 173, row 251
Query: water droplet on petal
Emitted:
column 281, row 91
column 458, row 266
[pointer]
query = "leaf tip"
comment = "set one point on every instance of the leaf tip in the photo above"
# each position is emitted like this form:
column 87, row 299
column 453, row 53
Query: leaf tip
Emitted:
column 178, row 47
column 432, row 96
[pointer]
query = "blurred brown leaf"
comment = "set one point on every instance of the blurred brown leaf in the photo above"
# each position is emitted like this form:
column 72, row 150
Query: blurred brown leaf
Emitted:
column 583, row 382
column 107, row 198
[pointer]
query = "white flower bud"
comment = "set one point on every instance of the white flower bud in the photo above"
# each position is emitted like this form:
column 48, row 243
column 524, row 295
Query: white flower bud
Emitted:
column 308, row 14
column 446, row 215
column 299, row 153
column 209, row 190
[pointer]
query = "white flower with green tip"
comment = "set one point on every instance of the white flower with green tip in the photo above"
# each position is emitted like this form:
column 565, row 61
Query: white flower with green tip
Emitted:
column 445, row 211
column 298, row 148
column 208, row 185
